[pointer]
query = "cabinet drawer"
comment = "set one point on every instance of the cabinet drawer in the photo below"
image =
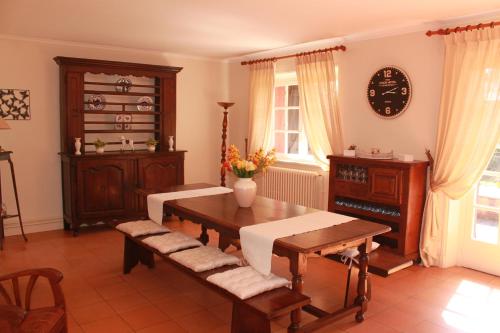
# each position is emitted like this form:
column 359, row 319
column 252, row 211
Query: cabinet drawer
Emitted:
column 351, row 189
column 385, row 185
column 160, row 172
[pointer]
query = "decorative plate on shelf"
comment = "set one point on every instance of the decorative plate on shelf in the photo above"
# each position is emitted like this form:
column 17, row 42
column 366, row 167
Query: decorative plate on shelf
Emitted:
column 123, row 122
column 96, row 102
column 145, row 103
column 123, row 84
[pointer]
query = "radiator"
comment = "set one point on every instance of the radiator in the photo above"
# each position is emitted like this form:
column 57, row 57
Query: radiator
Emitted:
column 299, row 187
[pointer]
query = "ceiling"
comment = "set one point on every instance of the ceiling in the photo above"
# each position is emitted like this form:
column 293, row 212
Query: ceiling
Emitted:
column 220, row 28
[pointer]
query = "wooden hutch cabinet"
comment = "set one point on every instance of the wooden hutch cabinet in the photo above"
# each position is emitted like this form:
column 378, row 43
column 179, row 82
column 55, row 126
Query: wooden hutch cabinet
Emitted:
column 112, row 101
column 391, row 192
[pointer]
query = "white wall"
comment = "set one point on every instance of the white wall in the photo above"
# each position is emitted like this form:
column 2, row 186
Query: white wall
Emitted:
column 422, row 59
column 27, row 64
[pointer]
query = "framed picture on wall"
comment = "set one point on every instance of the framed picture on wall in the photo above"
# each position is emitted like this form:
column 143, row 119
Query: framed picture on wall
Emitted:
column 15, row 104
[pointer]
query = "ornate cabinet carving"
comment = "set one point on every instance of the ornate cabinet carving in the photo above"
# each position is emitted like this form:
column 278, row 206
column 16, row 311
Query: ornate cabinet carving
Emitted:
column 101, row 187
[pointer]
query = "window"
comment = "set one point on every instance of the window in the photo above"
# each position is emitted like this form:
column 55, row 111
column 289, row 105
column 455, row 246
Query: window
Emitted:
column 289, row 137
column 487, row 203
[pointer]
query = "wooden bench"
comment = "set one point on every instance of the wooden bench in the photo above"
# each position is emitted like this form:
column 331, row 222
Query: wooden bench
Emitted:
column 252, row 315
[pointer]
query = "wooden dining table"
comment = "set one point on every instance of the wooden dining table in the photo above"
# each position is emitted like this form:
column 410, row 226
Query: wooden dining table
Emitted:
column 222, row 214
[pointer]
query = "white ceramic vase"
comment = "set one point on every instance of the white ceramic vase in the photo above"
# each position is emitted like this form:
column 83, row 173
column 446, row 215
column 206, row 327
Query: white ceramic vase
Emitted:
column 151, row 148
column 78, row 146
column 170, row 143
column 245, row 190
column 99, row 150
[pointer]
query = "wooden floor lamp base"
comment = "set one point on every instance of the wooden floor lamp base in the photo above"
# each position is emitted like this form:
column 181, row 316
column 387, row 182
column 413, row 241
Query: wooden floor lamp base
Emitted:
column 5, row 156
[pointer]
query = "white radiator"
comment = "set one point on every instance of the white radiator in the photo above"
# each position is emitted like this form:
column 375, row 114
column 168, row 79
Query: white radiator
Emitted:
column 299, row 187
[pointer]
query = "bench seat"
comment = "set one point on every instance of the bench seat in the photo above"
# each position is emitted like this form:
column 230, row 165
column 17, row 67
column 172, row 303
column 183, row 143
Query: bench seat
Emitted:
column 252, row 315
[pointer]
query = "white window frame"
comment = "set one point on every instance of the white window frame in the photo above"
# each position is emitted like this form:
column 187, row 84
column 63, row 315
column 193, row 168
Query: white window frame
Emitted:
column 289, row 79
column 476, row 206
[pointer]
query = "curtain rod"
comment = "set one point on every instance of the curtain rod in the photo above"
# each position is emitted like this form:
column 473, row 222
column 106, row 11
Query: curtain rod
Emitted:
column 448, row 31
column 336, row 48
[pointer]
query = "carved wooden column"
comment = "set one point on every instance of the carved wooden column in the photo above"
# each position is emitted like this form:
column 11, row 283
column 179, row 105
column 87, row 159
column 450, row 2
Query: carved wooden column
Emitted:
column 225, row 105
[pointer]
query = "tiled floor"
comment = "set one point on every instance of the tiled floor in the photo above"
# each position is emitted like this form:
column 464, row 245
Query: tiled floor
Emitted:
column 101, row 299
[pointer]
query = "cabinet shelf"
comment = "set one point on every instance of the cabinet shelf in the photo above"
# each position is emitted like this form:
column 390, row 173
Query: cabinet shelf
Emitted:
column 124, row 103
column 364, row 213
column 121, row 122
column 120, row 93
column 96, row 83
column 122, row 112
column 124, row 131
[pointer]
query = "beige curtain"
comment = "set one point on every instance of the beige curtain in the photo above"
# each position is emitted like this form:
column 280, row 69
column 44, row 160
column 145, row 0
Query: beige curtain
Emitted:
column 261, row 105
column 317, row 80
column 468, row 130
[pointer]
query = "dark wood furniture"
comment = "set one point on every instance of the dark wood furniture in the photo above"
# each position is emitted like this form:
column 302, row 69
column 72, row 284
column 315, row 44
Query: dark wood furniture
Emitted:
column 249, row 316
column 5, row 156
column 100, row 187
column 222, row 213
column 390, row 192
column 18, row 317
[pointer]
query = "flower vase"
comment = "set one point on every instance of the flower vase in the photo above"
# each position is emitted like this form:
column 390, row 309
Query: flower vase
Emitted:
column 245, row 190
column 78, row 146
column 151, row 148
column 170, row 143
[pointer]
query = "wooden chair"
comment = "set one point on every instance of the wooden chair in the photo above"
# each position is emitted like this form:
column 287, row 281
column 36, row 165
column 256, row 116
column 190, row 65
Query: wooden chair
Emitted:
column 16, row 317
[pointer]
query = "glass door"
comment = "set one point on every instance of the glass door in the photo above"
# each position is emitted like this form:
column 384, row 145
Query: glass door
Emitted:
column 481, row 241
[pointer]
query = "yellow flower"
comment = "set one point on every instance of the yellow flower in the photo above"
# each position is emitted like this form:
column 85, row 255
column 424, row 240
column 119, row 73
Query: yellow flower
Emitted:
column 250, row 166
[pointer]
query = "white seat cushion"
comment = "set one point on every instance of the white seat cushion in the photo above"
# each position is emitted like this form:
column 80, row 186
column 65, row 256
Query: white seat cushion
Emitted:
column 204, row 258
column 171, row 242
column 246, row 282
column 141, row 228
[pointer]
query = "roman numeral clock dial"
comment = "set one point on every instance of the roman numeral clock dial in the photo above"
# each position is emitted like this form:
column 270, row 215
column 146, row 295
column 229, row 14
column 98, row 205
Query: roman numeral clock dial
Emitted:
column 389, row 92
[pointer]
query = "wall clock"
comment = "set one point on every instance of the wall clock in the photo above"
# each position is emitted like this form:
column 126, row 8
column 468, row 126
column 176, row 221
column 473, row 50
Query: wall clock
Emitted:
column 389, row 92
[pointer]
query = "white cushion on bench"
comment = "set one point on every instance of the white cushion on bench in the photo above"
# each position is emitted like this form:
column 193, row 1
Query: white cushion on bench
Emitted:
column 141, row 228
column 171, row 242
column 204, row 258
column 246, row 282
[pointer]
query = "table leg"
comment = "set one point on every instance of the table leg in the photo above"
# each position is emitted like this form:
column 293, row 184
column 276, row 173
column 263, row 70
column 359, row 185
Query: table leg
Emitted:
column 298, row 268
column 204, row 235
column 224, row 242
column 361, row 298
column 17, row 197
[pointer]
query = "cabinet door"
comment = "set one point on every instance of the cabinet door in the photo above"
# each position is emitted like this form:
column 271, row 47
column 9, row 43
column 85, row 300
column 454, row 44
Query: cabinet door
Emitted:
column 104, row 187
column 385, row 185
column 160, row 172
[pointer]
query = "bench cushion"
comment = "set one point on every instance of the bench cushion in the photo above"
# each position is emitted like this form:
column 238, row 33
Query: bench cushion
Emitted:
column 204, row 258
column 246, row 282
column 141, row 228
column 171, row 242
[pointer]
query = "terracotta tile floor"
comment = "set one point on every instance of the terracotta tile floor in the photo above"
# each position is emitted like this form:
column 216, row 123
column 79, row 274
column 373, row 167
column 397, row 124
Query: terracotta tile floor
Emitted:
column 101, row 299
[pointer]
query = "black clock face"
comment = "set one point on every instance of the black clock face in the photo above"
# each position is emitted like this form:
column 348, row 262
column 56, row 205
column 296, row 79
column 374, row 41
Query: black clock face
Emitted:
column 389, row 92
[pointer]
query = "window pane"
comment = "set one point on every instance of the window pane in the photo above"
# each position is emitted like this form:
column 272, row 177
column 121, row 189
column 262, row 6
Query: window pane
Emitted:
column 293, row 143
column 488, row 191
column 293, row 119
column 486, row 226
column 279, row 96
column 495, row 161
column 279, row 142
column 279, row 119
column 293, row 95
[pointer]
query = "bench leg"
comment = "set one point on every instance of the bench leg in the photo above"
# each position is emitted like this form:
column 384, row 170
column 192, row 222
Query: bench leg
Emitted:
column 133, row 254
column 245, row 320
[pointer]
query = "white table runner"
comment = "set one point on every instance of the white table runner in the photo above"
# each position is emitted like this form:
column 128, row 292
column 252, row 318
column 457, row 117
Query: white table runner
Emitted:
column 155, row 201
column 257, row 240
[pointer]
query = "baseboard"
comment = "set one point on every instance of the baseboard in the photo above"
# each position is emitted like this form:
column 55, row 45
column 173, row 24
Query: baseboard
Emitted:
column 11, row 226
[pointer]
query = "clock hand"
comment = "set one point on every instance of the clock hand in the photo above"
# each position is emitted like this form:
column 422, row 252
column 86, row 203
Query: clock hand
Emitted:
column 390, row 91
